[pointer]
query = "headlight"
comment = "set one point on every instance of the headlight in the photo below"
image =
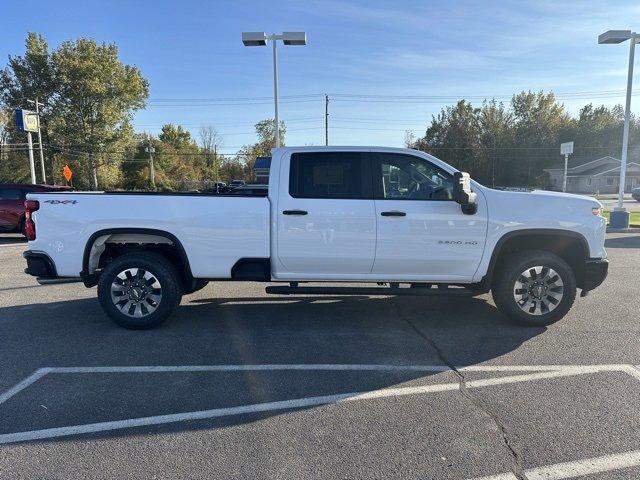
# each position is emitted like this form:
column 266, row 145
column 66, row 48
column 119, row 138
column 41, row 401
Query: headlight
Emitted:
column 597, row 211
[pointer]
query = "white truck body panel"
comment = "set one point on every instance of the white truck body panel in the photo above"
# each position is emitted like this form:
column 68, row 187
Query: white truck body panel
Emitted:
column 214, row 231
column 338, row 240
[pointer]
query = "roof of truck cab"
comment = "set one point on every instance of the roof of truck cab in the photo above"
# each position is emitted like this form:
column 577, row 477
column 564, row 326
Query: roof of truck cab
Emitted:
column 338, row 148
column 277, row 153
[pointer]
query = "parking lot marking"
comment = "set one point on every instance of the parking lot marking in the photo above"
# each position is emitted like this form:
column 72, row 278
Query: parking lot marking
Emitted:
column 289, row 404
column 34, row 377
column 270, row 367
column 579, row 468
column 305, row 367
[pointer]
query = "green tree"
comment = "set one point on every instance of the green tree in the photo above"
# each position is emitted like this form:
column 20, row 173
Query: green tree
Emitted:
column 176, row 136
column 266, row 132
column 454, row 136
column 26, row 78
column 496, row 134
column 541, row 124
column 211, row 142
column 96, row 95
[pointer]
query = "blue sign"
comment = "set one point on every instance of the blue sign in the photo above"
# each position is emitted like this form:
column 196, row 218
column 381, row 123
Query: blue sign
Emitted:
column 26, row 120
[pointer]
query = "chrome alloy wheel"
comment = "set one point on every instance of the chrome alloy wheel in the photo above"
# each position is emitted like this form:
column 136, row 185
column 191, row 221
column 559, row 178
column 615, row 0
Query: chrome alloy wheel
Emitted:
column 136, row 292
column 538, row 290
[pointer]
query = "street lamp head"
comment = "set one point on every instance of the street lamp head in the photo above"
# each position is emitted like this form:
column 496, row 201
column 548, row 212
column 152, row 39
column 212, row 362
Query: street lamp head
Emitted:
column 294, row 38
column 254, row 39
column 614, row 36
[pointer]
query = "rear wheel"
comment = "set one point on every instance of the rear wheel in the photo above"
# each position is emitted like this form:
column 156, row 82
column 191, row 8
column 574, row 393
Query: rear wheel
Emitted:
column 534, row 288
column 139, row 290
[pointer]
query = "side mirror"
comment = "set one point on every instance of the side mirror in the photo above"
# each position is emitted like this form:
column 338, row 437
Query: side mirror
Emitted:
column 462, row 193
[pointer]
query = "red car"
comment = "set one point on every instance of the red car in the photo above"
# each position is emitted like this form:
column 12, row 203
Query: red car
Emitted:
column 12, row 197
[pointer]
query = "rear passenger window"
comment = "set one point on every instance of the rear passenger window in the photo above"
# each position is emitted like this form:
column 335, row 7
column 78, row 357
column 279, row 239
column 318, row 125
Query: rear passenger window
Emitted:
column 10, row 194
column 328, row 175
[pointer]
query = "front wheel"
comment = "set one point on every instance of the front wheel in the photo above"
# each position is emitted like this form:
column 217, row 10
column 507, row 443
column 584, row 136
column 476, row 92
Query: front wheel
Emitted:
column 139, row 290
column 534, row 288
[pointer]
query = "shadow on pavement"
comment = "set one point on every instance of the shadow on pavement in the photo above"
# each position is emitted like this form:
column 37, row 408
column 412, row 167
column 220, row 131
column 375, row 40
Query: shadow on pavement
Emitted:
column 12, row 239
column 253, row 330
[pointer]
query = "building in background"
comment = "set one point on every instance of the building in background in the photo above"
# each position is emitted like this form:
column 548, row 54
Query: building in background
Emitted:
column 261, row 169
column 601, row 175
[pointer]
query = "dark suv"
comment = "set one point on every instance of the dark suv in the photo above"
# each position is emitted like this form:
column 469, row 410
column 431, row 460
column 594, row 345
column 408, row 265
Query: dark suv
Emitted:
column 635, row 193
column 12, row 197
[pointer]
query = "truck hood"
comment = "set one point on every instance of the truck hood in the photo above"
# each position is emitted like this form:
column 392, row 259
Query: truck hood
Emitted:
column 541, row 203
column 571, row 197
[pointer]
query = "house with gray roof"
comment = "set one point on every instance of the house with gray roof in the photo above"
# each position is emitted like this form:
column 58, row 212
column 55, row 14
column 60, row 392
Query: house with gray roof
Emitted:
column 600, row 175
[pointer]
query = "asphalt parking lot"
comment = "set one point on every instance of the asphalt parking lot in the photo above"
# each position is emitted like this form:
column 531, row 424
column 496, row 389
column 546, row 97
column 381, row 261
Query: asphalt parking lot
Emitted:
column 239, row 384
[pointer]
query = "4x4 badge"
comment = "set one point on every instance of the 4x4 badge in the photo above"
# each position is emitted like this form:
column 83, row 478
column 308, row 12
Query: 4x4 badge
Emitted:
column 61, row 202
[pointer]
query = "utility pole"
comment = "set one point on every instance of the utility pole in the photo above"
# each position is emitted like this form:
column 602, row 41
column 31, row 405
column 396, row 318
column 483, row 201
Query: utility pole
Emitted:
column 493, row 163
column 326, row 119
column 566, row 149
column 31, row 164
column 215, row 166
column 152, row 172
column 38, row 104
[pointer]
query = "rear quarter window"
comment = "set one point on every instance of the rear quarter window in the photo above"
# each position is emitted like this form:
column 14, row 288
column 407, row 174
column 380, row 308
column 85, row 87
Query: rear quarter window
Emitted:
column 335, row 175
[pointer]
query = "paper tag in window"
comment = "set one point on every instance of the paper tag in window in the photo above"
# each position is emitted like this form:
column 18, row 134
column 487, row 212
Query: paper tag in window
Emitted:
column 328, row 175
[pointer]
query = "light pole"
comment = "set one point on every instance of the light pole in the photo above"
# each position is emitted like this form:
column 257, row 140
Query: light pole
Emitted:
column 259, row 39
column 620, row 216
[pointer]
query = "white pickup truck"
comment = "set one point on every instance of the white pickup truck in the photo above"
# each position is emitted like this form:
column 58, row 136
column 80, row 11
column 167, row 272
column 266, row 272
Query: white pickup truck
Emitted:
column 393, row 217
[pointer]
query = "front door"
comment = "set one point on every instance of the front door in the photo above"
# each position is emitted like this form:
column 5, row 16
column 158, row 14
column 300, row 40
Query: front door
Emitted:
column 422, row 232
column 326, row 225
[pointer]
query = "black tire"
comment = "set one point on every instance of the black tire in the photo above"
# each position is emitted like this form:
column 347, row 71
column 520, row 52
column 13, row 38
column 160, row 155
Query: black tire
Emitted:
column 526, row 305
column 198, row 284
column 159, row 269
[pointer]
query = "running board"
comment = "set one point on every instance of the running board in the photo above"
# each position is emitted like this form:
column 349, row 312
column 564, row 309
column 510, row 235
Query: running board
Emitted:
column 57, row 280
column 421, row 292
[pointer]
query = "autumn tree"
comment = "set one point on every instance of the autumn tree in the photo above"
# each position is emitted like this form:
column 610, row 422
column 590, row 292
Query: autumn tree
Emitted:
column 266, row 133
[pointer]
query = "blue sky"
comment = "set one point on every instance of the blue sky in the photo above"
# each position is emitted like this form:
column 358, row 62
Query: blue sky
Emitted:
column 192, row 50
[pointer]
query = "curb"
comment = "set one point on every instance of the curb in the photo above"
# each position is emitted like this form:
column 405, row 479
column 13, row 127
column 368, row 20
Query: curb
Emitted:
column 623, row 230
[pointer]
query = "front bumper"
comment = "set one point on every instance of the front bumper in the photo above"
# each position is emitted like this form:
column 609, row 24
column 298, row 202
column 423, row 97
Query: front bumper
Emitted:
column 39, row 265
column 595, row 271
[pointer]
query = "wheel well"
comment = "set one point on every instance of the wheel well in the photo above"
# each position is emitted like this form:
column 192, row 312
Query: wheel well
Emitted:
column 571, row 248
column 105, row 246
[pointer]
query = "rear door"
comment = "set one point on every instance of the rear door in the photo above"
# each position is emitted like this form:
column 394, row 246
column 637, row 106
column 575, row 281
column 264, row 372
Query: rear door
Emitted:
column 326, row 224
column 422, row 232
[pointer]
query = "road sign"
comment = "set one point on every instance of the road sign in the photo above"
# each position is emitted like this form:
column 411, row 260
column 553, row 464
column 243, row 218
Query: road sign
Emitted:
column 26, row 120
column 566, row 148
column 67, row 173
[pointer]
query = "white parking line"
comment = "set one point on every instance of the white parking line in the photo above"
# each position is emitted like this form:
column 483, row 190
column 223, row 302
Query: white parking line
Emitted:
column 289, row 404
column 579, row 468
column 34, row 377
column 307, row 367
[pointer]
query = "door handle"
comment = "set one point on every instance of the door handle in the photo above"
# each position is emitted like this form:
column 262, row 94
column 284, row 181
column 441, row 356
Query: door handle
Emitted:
column 294, row 212
column 393, row 213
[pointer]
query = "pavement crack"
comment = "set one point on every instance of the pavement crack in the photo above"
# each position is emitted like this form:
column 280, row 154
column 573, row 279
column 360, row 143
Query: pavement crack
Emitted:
column 514, row 452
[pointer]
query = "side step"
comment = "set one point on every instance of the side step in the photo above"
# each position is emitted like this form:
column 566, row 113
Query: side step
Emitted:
column 57, row 280
column 420, row 292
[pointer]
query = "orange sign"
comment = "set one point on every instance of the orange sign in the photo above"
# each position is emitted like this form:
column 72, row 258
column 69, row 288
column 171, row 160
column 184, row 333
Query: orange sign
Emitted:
column 67, row 173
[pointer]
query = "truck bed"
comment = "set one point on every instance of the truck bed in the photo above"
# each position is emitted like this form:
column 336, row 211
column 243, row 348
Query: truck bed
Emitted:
column 214, row 230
